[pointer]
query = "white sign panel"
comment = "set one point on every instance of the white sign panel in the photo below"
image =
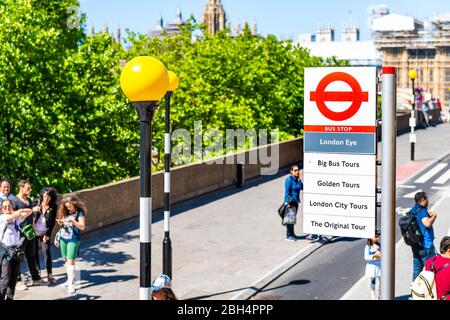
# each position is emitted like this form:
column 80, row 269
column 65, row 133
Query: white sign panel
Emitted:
column 340, row 226
column 339, row 205
column 342, row 97
column 340, row 163
column 339, row 184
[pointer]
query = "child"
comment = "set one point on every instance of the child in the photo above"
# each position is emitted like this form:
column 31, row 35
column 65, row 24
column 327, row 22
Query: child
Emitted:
column 162, row 288
column 372, row 255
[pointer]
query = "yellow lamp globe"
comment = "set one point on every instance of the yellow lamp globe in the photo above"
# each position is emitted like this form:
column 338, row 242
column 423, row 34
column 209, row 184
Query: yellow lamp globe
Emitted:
column 412, row 74
column 174, row 81
column 144, row 79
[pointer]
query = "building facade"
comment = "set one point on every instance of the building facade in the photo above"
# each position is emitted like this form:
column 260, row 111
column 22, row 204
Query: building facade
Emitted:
column 171, row 28
column 406, row 44
column 214, row 16
column 350, row 47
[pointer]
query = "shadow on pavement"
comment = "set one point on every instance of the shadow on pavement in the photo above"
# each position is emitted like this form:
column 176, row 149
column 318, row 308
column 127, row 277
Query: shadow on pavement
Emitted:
column 97, row 280
column 99, row 256
column 220, row 293
column 80, row 297
column 292, row 283
column 340, row 239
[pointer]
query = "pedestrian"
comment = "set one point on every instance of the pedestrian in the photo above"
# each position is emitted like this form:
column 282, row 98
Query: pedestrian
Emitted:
column 425, row 218
column 372, row 255
column 5, row 193
column 72, row 218
column 5, row 190
column 162, row 288
column 441, row 264
column 44, row 222
column 11, row 249
column 31, row 245
column 292, row 187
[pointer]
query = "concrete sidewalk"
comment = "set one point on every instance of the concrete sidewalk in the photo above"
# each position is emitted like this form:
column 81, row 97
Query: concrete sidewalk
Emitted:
column 221, row 245
column 225, row 245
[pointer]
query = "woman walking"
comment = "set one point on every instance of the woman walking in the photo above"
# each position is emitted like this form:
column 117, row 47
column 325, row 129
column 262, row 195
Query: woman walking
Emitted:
column 372, row 255
column 44, row 222
column 11, row 250
column 292, row 187
column 71, row 217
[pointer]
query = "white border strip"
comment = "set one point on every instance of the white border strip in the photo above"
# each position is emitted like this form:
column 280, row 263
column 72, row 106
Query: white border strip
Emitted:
column 167, row 182
column 145, row 293
column 166, row 221
column 167, row 143
column 145, row 220
column 430, row 174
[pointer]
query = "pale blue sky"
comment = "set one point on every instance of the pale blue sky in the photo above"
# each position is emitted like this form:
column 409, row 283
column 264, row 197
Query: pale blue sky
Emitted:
column 283, row 18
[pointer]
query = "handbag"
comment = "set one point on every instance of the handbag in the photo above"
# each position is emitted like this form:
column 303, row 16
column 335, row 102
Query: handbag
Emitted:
column 282, row 210
column 57, row 238
column 28, row 231
column 291, row 216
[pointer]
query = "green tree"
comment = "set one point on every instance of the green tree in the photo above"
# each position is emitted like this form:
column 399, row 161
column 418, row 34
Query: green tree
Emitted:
column 66, row 123
column 34, row 42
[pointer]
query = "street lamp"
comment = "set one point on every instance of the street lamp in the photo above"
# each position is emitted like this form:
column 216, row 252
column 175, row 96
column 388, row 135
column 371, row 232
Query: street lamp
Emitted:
column 145, row 80
column 167, row 244
column 412, row 121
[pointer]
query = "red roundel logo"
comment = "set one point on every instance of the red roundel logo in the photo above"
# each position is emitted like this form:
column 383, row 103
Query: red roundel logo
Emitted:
column 356, row 96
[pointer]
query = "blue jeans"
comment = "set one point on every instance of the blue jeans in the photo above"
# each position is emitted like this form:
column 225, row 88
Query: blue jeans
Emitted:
column 290, row 231
column 420, row 257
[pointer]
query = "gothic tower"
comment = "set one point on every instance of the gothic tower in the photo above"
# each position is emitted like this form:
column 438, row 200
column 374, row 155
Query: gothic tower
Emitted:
column 214, row 16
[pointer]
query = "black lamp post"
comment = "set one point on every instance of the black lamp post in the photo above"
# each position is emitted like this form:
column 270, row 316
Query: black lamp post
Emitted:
column 145, row 80
column 167, row 243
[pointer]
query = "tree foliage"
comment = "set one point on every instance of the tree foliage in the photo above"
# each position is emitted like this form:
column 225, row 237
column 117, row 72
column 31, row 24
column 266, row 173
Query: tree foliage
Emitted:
column 65, row 121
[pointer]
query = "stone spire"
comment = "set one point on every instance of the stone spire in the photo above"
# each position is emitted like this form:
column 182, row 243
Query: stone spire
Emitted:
column 214, row 16
column 255, row 29
column 179, row 17
column 118, row 34
column 238, row 28
column 160, row 24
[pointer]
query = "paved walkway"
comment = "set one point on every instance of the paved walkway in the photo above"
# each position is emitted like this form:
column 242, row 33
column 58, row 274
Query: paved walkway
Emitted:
column 223, row 244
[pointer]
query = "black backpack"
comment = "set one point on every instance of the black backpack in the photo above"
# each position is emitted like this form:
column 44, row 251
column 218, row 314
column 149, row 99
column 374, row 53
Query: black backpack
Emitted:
column 409, row 226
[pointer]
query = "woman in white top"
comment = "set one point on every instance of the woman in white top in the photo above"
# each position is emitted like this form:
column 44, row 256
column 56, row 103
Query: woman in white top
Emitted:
column 44, row 222
column 372, row 255
column 10, row 249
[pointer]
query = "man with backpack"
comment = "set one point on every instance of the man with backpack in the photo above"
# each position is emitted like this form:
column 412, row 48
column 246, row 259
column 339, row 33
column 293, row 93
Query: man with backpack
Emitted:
column 425, row 218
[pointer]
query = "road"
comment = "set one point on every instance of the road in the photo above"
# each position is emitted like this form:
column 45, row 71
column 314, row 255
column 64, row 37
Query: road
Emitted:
column 332, row 270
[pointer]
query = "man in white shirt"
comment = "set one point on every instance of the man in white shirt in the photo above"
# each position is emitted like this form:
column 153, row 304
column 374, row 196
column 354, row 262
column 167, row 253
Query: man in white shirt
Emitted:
column 10, row 241
column 5, row 190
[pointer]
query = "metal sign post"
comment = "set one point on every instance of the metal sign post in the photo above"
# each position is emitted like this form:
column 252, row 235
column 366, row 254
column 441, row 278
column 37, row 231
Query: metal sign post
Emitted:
column 388, row 189
column 412, row 121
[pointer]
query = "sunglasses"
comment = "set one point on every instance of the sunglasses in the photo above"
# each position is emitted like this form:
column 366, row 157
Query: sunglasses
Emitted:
column 295, row 170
